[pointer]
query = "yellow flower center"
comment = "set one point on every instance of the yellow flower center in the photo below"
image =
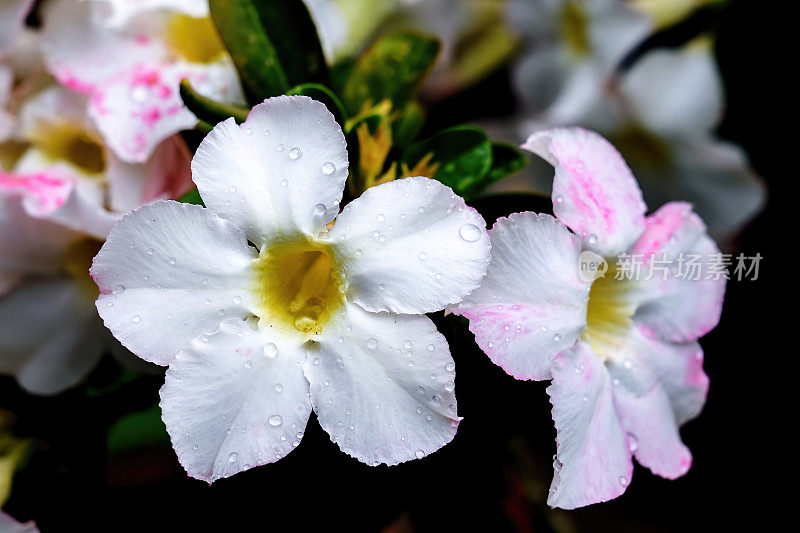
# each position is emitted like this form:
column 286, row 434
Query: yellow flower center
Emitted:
column 66, row 141
column 194, row 39
column 609, row 314
column 297, row 286
column 575, row 29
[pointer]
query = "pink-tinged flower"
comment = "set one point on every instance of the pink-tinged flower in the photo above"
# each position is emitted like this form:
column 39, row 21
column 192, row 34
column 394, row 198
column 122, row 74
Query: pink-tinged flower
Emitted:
column 270, row 302
column 59, row 198
column 621, row 350
column 130, row 58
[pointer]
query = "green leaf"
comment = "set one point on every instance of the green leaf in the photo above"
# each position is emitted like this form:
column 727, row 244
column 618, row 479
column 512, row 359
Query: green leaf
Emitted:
column 461, row 157
column 394, row 67
column 273, row 43
column 209, row 111
column 319, row 92
column 506, row 160
column 137, row 431
column 408, row 125
column 192, row 197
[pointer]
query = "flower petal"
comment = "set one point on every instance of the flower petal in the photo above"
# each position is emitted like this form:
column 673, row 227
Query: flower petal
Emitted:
column 141, row 107
column 29, row 245
column 594, row 192
column 117, row 13
column 675, row 92
column 281, row 172
column 168, row 273
column 410, row 246
column 651, row 419
column 680, row 308
column 12, row 19
column 593, row 460
column 51, row 336
column 82, row 53
column 235, row 399
column 165, row 176
column 382, row 386
column 532, row 302
column 713, row 175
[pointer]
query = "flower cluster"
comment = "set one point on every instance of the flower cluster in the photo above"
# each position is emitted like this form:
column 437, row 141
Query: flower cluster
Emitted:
column 194, row 185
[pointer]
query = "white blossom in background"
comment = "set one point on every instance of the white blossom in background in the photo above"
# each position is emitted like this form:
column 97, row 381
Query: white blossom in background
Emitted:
column 661, row 112
column 269, row 302
column 61, row 191
column 129, row 58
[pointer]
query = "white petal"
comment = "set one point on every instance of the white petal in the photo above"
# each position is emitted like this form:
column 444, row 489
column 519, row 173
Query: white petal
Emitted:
column 715, row 176
column 9, row 525
column 168, row 273
column 532, row 303
column 675, row 92
column 382, row 386
column 594, row 191
column 593, row 460
column 29, row 245
column 166, row 175
column 280, row 173
column 51, row 337
column 235, row 399
column 12, row 19
column 117, row 13
column 81, row 53
column 410, row 246
column 651, row 419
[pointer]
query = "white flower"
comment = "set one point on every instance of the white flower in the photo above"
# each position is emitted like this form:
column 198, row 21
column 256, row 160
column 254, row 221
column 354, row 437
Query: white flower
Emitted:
column 130, row 57
column 262, row 310
column 660, row 112
column 59, row 198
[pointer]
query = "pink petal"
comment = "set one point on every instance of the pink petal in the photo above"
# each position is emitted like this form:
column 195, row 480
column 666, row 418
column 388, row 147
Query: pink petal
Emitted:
column 594, row 191
column 593, row 462
column 680, row 308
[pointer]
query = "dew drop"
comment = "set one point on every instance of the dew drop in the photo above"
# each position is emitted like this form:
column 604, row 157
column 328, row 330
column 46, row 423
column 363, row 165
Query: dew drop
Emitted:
column 295, row 153
column 284, row 183
column 419, row 454
column 328, row 168
column 137, row 319
column 591, row 239
column 118, row 289
column 372, row 344
column 275, row 420
column 280, row 148
column 172, row 260
column 270, row 350
column 319, row 209
column 470, row 232
column 623, row 481
column 233, row 457
column 422, row 256
column 278, row 387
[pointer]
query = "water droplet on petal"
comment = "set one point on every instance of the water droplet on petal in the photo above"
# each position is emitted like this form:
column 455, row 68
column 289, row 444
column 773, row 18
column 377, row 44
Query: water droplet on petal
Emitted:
column 419, row 454
column 270, row 350
column 320, row 209
column 623, row 481
column 372, row 344
column 275, row 420
column 233, row 457
column 137, row 319
column 633, row 442
column 295, row 153
column 118, row 289
column 470, row 232
column 328, row 168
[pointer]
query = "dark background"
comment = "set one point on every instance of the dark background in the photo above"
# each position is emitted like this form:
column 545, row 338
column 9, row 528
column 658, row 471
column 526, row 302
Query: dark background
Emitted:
column 496, row 472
